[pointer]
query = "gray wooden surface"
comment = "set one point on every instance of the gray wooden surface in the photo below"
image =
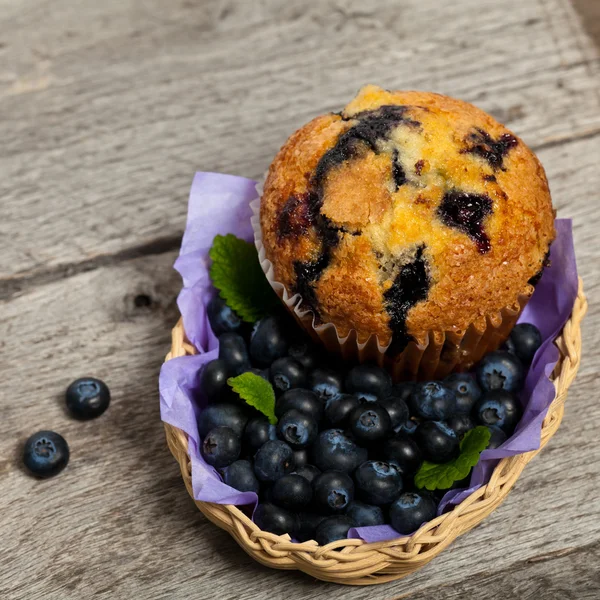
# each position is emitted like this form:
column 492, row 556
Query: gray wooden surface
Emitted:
column 107, row 109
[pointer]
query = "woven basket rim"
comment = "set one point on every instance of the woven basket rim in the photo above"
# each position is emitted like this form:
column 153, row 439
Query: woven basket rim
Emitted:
column 354, row 561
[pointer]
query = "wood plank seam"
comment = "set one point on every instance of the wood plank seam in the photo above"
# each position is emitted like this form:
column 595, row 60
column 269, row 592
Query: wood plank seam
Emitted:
column 17, row 283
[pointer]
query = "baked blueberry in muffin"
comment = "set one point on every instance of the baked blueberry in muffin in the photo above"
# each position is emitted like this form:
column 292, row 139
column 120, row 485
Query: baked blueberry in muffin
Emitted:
column 405, row 214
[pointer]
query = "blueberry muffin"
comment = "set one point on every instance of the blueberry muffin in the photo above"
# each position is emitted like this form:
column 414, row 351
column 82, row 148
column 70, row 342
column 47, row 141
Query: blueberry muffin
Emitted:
column 407, row 214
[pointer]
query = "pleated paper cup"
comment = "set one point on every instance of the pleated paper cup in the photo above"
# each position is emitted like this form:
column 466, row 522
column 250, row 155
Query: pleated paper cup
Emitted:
column 433, row 356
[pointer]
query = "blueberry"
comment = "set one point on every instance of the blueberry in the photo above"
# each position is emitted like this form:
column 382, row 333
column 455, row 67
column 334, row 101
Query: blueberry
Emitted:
column 497, row 438
column 333, row 529
column 300, row 458
column 46, row 453
column 285, row 374
column 222, row 319
column 223, row 415
column 500, row 370
column 370, row 423
column 369, row 380
column 269, row 341
column 365, row 515
column 335, row 451
column 233, row 352
column 378, row 482
column 332, row 492
column 466, row 390
column 240, row 475
column 292, row 492
column 264, row 373
column 460, row 424
column 305, row 353
column 499, row 408
column 526, row 339
column 509, row 346
column 221, row 447
column 411, row 510
column 258, row 431
column 433, row 401
column 403, row 451
column 305, row 401
column 213, row 380
column 309, row 472
column 438, row 443
column 364, row 397
column 408, row 427
column 307, row 524
column 266, row 492
column 396, row 408
column 326, row 383
column 298, row 429
column 274, row 460
column 339, row 408
column 87, row 398
column 403, row 390
column 274, row 519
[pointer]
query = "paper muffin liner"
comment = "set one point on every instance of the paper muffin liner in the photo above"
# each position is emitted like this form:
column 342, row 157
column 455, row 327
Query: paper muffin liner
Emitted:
column 434, row 356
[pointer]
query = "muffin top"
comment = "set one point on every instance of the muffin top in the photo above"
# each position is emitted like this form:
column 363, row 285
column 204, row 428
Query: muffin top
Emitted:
column 406, row 213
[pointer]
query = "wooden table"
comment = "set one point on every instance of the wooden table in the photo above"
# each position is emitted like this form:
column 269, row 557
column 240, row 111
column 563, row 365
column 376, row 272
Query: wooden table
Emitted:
column 108, row 108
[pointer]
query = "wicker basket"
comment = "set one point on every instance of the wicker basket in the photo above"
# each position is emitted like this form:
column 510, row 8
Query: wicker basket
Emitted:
column 354, row 561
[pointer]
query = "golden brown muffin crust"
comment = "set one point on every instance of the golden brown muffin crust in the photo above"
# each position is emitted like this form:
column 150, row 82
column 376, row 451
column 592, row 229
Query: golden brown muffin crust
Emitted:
column 407, row 213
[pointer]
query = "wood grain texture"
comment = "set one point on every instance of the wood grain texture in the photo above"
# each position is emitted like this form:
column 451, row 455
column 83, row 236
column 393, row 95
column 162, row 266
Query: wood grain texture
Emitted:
column 113, row 107
column 574, row 576
column 109, row 108
column 590, row 17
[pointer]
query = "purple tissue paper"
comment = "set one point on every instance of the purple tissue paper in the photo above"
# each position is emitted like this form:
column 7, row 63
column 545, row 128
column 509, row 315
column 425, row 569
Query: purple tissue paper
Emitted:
column 219, row 204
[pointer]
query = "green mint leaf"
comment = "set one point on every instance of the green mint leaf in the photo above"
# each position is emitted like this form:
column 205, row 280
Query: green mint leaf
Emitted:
column 441, row 477
column 257, row 392
column 236, row 273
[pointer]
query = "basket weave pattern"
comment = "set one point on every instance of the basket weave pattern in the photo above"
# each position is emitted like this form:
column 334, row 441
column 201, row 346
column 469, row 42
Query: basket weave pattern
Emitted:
column 354, row 561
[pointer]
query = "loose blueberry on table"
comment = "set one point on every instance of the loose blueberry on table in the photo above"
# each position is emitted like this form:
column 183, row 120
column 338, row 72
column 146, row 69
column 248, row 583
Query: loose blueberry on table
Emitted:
column 328, row 447
column 87, row 398
column 46, row 454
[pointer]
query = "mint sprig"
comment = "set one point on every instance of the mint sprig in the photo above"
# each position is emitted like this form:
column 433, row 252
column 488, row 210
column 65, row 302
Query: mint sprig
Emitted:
column 236, row 273
column 256, row 392
column 441, row 477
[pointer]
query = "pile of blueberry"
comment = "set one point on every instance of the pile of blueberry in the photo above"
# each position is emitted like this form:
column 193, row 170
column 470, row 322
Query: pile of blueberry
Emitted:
column 348, row 442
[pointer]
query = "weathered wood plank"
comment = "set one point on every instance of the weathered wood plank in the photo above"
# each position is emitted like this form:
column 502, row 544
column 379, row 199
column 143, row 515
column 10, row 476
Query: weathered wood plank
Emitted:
column 570, row 575
column 590, row 17
column 112, row 108
column 118, row 522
